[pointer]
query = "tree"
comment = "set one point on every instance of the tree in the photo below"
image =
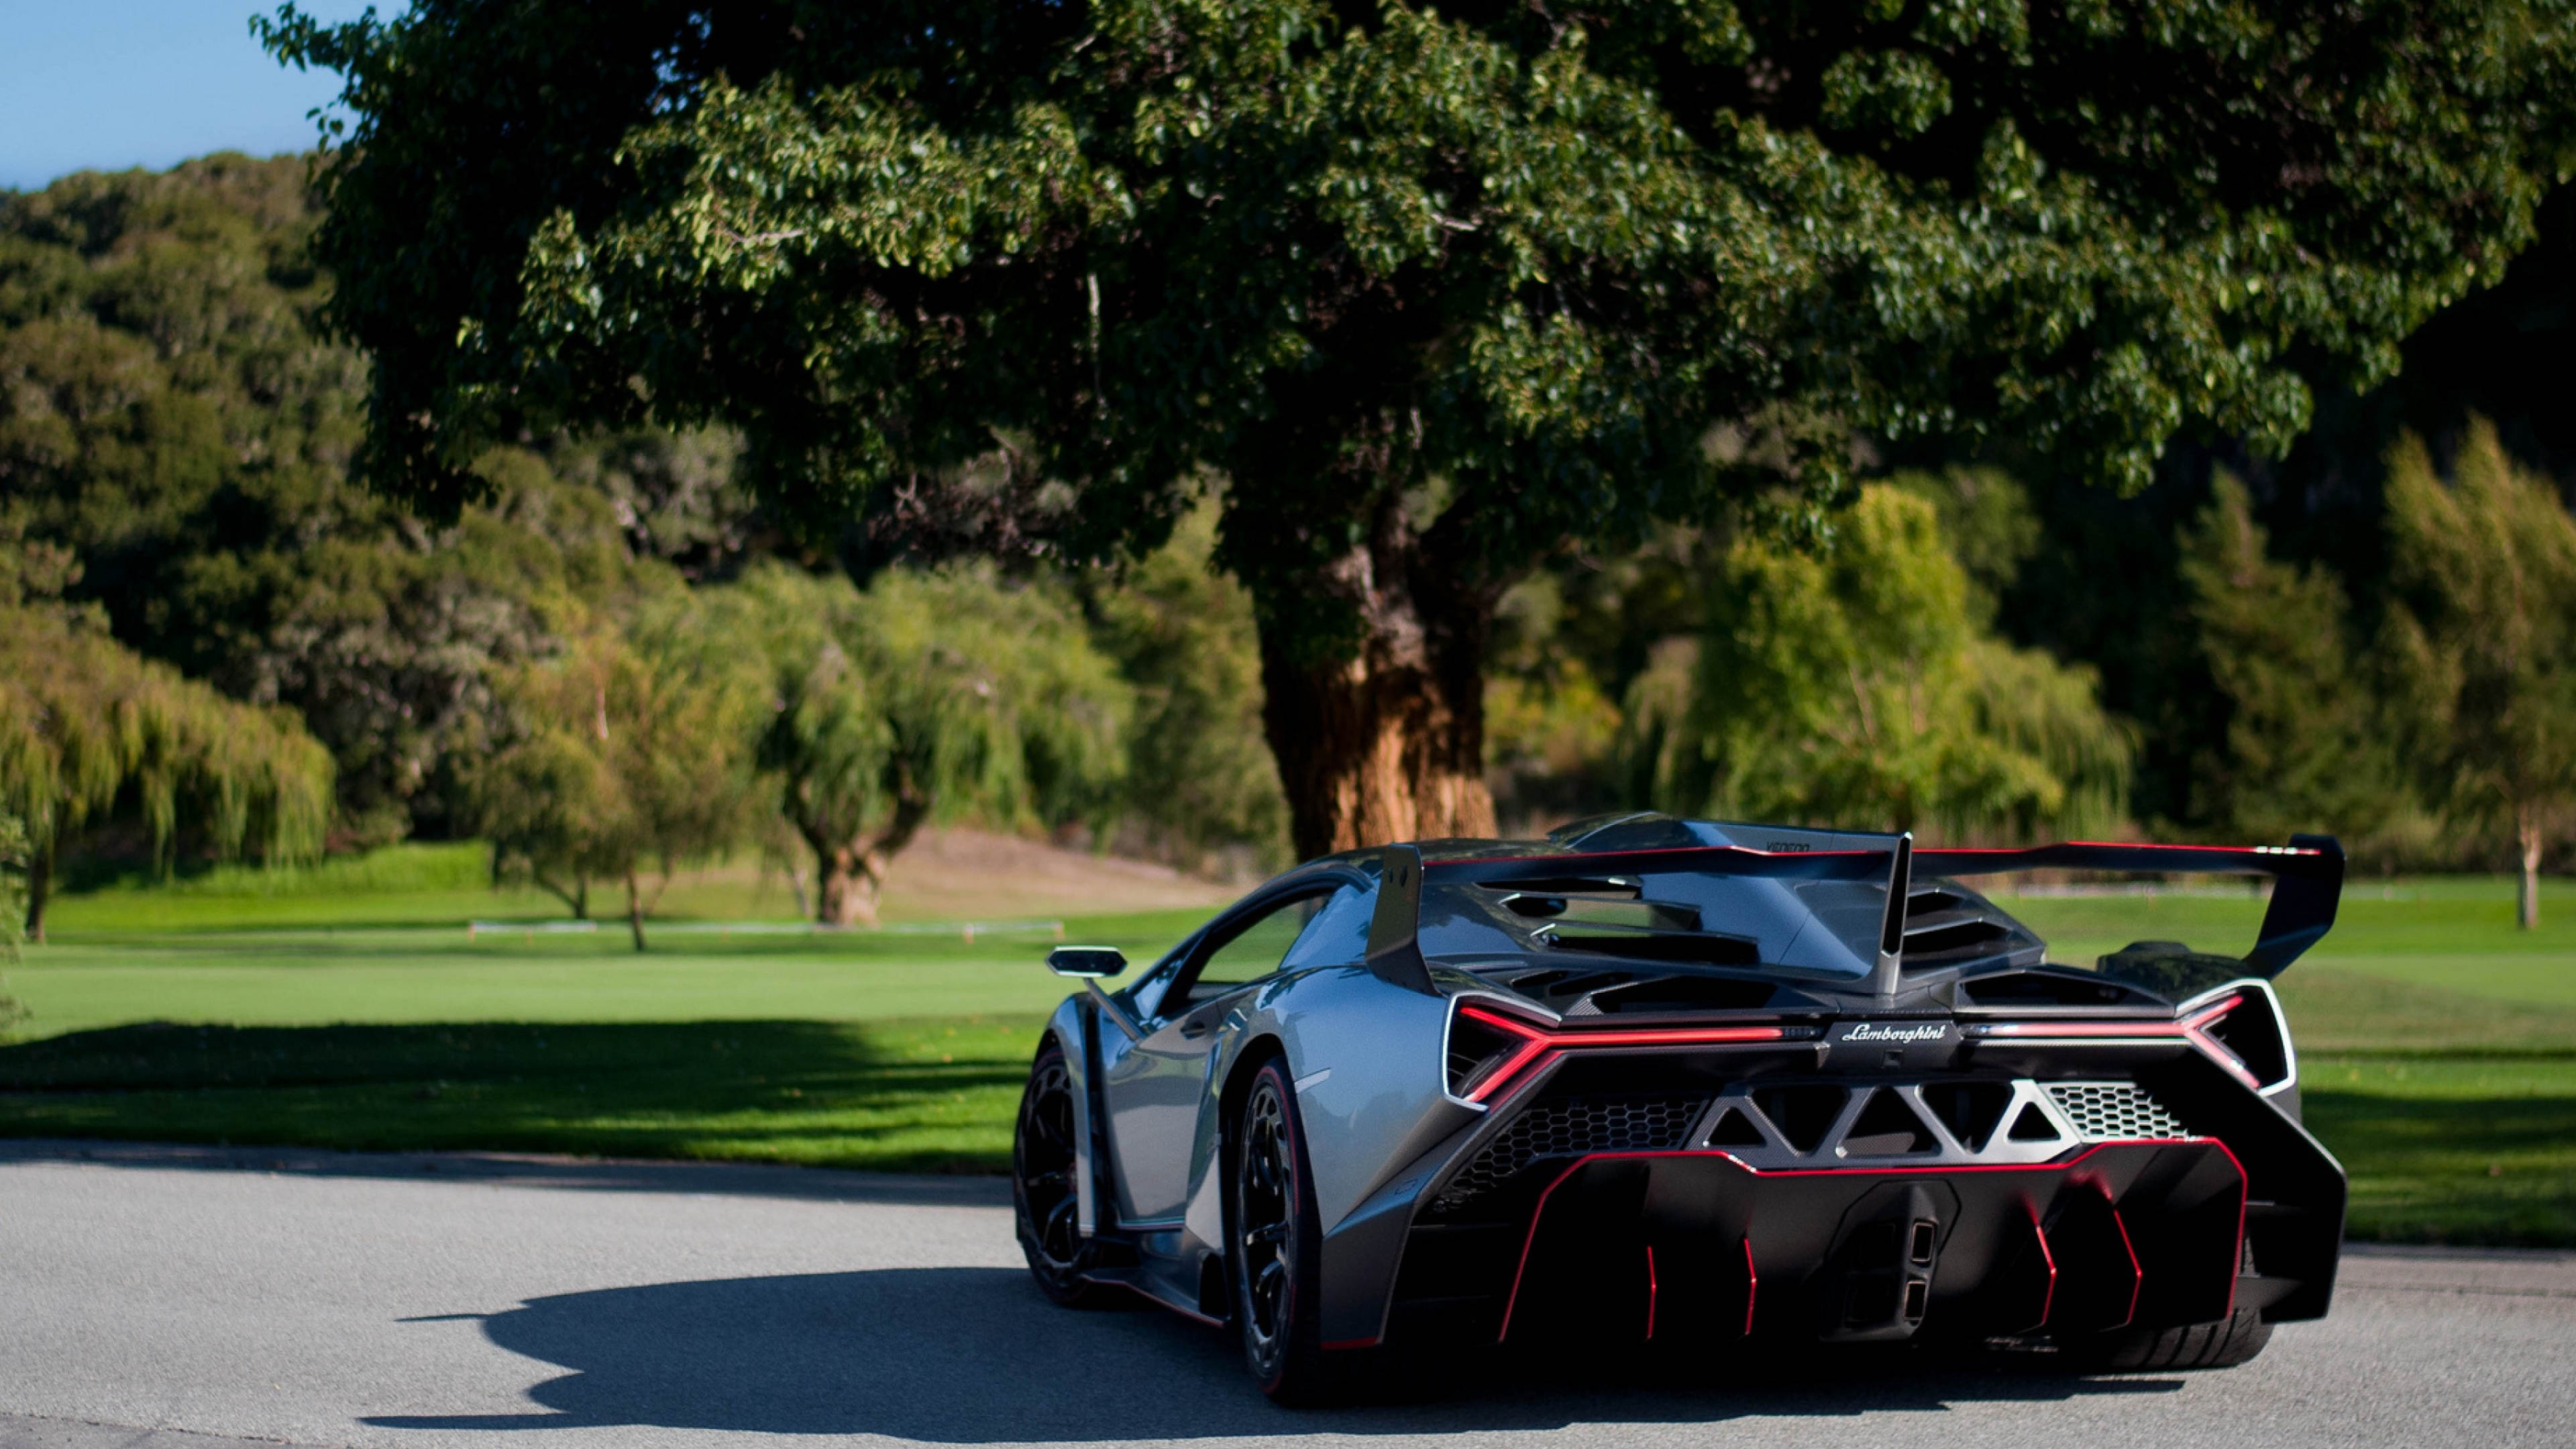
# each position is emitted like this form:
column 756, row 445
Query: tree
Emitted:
column 173, row 417
column 928, row 695
column 2482, row 628
column 87, row 725
column 1433, row 291
column 629, row 753
column 1199, row 779
column 2302, row 748
column 1859, row 687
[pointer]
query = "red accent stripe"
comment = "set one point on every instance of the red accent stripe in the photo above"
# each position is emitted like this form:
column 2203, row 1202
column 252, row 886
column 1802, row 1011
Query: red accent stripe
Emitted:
column 1542, row 862
column 2137, row 1275
column 1936, row 852
column 1650, row 1290
column 1339, row 1344
column 2048, row 1260
column 2111, row 845
column 2236, row 1255
column 1752, row 1285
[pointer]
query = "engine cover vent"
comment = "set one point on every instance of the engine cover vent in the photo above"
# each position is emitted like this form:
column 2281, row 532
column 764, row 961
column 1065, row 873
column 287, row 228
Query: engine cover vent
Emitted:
column 1572, row 1126
column 2114, row 1111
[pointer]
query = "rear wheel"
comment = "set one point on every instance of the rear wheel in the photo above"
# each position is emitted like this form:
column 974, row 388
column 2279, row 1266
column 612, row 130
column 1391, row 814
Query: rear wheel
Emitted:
column 2226, row 1343
column 1044, row 1191
column 1276, row 1245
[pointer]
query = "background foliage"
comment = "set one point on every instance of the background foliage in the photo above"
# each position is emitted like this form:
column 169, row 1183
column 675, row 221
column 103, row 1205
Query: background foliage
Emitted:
column 2220, row 655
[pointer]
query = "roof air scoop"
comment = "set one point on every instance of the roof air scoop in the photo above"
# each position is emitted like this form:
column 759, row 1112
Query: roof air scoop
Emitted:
column 1884, row 975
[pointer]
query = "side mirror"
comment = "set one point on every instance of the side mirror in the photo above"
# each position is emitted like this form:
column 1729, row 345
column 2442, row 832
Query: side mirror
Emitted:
column 1086, row 960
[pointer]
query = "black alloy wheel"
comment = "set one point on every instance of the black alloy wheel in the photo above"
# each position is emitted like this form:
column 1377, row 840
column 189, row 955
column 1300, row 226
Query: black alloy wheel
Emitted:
column 1043, row 1190
column 1275, row 1244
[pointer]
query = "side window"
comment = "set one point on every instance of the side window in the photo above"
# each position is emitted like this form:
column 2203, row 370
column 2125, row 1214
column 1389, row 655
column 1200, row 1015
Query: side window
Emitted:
column 1316, row 930
column 1338, row 934
column 1256, row 949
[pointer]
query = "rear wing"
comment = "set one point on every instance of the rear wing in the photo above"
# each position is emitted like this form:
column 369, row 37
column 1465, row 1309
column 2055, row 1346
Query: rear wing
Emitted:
column 2307, row 877
column 2307, row 880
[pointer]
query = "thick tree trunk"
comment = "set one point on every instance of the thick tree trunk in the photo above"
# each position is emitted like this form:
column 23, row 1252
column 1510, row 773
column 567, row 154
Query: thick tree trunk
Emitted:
column 846, row 893
column 2527, row 828
column 850, row 874
column 1387, row 744
column 40, row 884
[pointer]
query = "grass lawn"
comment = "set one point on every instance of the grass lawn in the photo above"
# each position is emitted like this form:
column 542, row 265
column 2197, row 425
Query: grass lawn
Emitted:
column 352, row 1010
column 916, row 1095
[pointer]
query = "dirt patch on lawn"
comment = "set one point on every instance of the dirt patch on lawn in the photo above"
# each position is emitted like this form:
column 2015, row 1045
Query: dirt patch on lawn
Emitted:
column 951, row 875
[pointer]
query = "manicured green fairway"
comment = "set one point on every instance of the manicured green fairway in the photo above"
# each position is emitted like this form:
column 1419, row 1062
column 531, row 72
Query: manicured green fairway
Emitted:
column 378, row 974
column 2439, row 1042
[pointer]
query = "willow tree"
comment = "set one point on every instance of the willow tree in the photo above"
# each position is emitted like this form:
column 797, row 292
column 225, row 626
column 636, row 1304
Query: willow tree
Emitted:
column 2300, row 745
column 929, row 695
column 625, row 756
column 2482, row 631
column 1437, row 292
column 1861, row 686
column 87, row 726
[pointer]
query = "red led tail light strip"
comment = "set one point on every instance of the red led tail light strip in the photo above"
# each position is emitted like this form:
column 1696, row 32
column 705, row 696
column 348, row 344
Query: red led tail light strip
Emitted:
column 2080, row 1030
column 2197, row 1025
column 2194, row 1028
column 1537, row 1043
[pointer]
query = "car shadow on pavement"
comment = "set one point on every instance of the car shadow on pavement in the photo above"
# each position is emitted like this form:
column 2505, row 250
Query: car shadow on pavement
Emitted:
column 975, row 1355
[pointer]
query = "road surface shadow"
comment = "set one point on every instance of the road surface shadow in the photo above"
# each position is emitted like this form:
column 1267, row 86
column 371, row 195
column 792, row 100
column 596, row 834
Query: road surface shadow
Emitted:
column 975, row 1355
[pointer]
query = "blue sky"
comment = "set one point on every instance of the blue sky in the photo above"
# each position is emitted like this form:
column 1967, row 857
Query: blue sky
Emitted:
column 108, row 84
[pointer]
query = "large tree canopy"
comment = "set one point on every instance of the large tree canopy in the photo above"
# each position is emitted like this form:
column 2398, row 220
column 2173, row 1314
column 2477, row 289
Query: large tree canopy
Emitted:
column 1434, row 292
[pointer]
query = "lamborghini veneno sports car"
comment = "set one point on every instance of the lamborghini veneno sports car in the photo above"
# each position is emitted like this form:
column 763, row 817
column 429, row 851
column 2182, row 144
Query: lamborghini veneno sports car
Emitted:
column 1662, row 1081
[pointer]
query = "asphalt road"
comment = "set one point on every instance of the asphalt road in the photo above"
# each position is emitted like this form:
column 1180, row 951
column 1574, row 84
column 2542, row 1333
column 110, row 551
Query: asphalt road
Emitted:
column 199, row 1298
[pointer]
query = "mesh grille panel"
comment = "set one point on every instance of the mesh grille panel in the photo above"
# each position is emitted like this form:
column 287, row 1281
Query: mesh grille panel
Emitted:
column 2110, row 1111
column 1571, row 1126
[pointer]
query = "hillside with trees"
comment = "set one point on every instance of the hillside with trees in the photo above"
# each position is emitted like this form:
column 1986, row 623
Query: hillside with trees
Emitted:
column 222, row 643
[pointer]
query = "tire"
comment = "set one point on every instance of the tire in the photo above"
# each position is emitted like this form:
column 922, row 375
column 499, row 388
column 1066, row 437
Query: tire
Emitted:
column 2223, row 1344
column 1044, row 1192
column 1274, row 1247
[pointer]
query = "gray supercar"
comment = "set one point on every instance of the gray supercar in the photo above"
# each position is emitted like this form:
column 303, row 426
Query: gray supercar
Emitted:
column 1660, row 1081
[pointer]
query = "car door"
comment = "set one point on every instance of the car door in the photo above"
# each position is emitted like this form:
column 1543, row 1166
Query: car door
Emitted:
column 1154, row 1088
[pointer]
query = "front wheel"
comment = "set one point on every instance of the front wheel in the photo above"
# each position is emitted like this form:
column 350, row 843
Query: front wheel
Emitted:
column 1276, row 1245
column 1044, row 1192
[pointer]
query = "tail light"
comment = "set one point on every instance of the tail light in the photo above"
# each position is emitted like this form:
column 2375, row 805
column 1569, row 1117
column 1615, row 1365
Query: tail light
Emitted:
column 1487, row 1049
column 2240, row 1027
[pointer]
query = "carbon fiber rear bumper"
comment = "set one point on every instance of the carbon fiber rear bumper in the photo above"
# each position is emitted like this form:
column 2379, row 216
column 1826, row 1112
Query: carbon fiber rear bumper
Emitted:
column 1696, row 1246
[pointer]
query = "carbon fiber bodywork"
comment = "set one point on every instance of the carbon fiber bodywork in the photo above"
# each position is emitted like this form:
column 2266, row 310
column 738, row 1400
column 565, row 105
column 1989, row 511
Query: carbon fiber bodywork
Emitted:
column 1655, row 1079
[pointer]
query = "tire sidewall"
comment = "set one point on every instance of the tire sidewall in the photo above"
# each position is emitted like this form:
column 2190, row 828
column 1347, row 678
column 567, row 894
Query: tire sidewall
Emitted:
column 1063, row 1284
column 1292, row 1354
